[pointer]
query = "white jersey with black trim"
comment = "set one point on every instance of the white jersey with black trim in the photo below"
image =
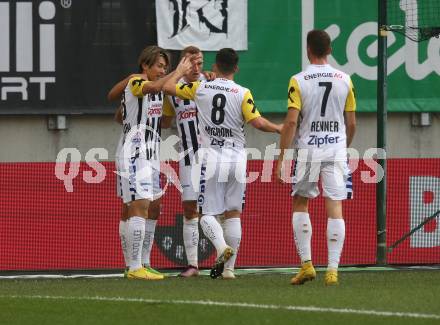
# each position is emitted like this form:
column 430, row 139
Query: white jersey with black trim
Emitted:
column 187, row 122
column 223, row 107
column 321, row 93
column 141, row 122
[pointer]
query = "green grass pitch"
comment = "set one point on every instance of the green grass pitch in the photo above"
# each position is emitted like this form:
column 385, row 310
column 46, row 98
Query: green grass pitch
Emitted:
column 382, row 297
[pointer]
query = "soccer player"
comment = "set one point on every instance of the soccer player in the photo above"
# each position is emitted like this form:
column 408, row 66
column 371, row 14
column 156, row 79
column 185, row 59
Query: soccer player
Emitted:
column 324, row 99
column 223, row 109
column 185, row 112
column 138, row 158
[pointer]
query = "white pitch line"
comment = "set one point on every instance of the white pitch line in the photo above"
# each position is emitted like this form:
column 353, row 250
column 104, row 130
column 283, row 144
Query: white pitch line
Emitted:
column 237, row 304
column 60, row 276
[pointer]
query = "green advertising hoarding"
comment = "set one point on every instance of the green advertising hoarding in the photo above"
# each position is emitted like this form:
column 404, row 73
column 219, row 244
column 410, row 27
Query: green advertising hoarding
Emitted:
column 277, row 31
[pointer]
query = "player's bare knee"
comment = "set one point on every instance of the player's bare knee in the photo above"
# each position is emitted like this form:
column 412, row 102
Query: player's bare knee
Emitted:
column 124, row 212
column 190, row 209
column 232, row 214
column 333, row 208
column 138, row 208
column 300, row 204
column 154, row 210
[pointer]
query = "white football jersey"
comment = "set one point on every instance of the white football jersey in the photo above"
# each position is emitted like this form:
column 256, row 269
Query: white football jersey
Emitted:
column 222, row 107
column 141, row 122
column 321, row 94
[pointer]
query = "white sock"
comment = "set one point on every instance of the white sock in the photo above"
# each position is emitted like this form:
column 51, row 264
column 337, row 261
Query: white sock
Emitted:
column 124, row 243
column 150, row 227
column 214, row 232
column 191, row 239
column 135, row 235
column 232, row 234
column 302, row 233
column 335, row 241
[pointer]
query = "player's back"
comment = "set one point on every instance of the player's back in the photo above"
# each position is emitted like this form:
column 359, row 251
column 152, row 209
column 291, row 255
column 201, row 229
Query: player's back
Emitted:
column 220, row 115
column 322, row 94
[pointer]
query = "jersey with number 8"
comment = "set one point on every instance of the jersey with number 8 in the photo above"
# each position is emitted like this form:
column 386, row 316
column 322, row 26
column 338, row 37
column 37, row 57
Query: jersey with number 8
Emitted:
column 321, row 94
column 223, row 108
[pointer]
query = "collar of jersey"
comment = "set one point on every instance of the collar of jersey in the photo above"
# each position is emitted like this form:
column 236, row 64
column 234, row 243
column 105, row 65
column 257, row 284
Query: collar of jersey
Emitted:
column 319, row 65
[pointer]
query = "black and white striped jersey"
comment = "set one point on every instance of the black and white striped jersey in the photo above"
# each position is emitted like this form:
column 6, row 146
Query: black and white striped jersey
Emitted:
column 187, row 123
column 185, row 111
column 141, row 122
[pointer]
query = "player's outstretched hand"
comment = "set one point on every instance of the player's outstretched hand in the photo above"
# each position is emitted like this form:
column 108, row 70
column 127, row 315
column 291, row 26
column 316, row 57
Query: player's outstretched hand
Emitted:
column 185, row 66
column 209, row 75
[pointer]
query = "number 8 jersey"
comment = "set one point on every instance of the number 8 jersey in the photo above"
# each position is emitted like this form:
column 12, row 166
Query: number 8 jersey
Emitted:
column 321, row 94
column 222, row 109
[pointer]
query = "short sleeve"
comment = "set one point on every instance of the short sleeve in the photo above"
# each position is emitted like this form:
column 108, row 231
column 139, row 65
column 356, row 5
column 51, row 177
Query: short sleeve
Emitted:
column 350, row 103
column 187, row 90
column 248, row 107
column 136, row 84
column 294, row 95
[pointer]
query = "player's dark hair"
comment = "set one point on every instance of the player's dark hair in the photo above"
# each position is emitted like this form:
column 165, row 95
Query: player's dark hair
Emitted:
column 189, row 50
column 318, row 41
column 150, row 54
column 226, row 60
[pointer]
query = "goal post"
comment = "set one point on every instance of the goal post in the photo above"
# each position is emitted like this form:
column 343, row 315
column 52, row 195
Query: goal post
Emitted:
column 418, row 20
column 381, row 199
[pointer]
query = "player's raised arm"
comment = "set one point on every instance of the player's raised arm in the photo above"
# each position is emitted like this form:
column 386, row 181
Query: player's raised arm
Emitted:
column 140, row 87
column 157, row 86
column 169, row 86
column 116, row 92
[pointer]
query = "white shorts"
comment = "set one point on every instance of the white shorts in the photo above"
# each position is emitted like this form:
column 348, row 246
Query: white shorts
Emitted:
column 139, row 180
column 189, row 177
column 222, row 187
column 118, row 179
column 335, row 178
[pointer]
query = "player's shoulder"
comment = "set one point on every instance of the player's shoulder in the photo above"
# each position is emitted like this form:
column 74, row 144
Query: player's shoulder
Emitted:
column 136, row 79
column 189, row 86
column 340, row 74
column 135, row 84
column 298, row 76
column 236, row 88
column 296, row 79
column 196, row 83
